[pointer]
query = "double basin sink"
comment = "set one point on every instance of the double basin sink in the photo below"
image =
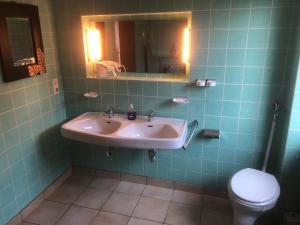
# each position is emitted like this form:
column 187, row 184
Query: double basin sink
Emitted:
column 98, row 128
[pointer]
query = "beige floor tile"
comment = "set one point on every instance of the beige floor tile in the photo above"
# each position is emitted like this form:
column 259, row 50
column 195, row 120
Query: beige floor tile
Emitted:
column 179, row 214
column 151, row 209
column 186, row 198
column 121, row 203
column 136, row 221
column 79, row 179
column 92, row 198
column 47, row 213
column 105, row 184
column 78, row 216
column 106, row 218
column 158, row 193
column 130, row 188
column 217, row 203
column 210, row 216
column 66, row 193
column 26, row 223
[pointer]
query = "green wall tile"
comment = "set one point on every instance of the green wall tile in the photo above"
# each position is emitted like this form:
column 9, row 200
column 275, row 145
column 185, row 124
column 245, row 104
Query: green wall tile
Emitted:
column 120, row 87
column 5, row 102
column 221, row 4
column 232, row 92
column 257, row 38
column 235, row 57
column 240, row 3
column 237, row 38
column 150, row 88
column 260, row 18
column 219, row 19
column 135, row 87
column 234, row 75
column 239, row 18
column 231, row 108
column 218, row 39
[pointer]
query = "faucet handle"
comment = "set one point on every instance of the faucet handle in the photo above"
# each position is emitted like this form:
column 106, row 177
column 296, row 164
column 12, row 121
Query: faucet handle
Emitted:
column 110, row 112
column 150, row 115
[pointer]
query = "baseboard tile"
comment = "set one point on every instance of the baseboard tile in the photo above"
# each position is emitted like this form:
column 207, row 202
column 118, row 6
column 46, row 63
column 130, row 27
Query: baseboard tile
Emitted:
column 154, row 182
column 160, row 183
column 83, row 170
column 16, row 220
column 32, row 205
column 108, row 174
column 57, row 183
column 134, row 178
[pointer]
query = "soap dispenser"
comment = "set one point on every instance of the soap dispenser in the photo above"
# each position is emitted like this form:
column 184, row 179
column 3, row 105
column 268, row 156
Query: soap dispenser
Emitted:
column 131, row 114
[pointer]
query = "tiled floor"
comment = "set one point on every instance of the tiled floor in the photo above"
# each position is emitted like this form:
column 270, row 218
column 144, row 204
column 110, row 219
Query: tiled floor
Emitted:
column 88, row 200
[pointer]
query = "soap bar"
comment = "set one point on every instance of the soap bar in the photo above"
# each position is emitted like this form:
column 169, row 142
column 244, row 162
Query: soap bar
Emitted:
column 180, row 100
column 91, row 95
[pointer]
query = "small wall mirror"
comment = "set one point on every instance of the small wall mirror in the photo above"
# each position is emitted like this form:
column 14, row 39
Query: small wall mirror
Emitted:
column 138, row 46
column 22, row 53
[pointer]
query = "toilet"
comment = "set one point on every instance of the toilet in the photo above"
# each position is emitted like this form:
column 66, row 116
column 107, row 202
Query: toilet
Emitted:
column 252, row 192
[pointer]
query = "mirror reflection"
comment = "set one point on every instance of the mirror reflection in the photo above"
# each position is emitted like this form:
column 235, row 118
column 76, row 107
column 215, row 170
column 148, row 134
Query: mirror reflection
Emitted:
column 146, row 46
column 20, row 38
column 143, row 46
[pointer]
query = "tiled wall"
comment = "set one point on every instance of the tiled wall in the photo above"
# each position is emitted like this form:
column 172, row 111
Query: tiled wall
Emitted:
column 32, row 152
column 241, row 43
column 291, row 156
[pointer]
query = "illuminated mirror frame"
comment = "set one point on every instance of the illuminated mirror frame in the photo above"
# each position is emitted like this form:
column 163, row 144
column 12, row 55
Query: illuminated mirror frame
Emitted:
column 92, row 46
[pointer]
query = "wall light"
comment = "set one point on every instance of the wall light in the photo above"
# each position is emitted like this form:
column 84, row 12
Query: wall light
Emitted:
column 186, row 46
column 93, row 43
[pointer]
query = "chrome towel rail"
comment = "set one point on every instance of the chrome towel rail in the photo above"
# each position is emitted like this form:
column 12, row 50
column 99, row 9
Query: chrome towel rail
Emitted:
column 193, row 130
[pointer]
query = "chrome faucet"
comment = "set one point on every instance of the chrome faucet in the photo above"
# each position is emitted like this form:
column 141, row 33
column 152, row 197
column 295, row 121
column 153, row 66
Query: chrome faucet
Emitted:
column 110, row 112
column 150, row 115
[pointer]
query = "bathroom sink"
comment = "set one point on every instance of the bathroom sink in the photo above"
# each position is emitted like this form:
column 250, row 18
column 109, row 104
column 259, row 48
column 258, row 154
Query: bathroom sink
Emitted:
column 95, row 125
column 148, row 130
column 97, row 128
column 162, row 133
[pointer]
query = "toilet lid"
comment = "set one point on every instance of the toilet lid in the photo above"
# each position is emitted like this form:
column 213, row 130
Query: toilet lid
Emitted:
column 254, row 186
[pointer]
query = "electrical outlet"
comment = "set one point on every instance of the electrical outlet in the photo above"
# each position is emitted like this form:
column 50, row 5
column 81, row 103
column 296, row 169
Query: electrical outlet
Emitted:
column 55, row 86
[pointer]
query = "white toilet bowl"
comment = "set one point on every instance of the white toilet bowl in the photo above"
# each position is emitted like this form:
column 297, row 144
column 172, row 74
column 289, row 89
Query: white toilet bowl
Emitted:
column 252, row 192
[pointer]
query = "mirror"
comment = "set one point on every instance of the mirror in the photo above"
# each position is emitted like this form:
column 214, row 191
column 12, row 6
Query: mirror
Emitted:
column 144, row 46
column 20, row 39
column 22, row 53
column 137, row 46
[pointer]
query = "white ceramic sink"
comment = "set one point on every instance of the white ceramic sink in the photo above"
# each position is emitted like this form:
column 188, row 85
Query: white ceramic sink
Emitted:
column 97, row 128
column 148, row 130
column 95, row 125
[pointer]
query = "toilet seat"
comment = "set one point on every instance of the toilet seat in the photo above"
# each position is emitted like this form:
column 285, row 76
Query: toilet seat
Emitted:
column 254, row 187
column 261, row 206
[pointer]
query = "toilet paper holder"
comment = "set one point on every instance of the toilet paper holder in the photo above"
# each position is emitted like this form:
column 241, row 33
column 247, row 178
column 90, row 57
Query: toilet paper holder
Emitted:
column 211, row 134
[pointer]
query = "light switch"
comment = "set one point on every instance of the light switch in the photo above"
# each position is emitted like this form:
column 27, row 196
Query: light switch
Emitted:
column 55, row 86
